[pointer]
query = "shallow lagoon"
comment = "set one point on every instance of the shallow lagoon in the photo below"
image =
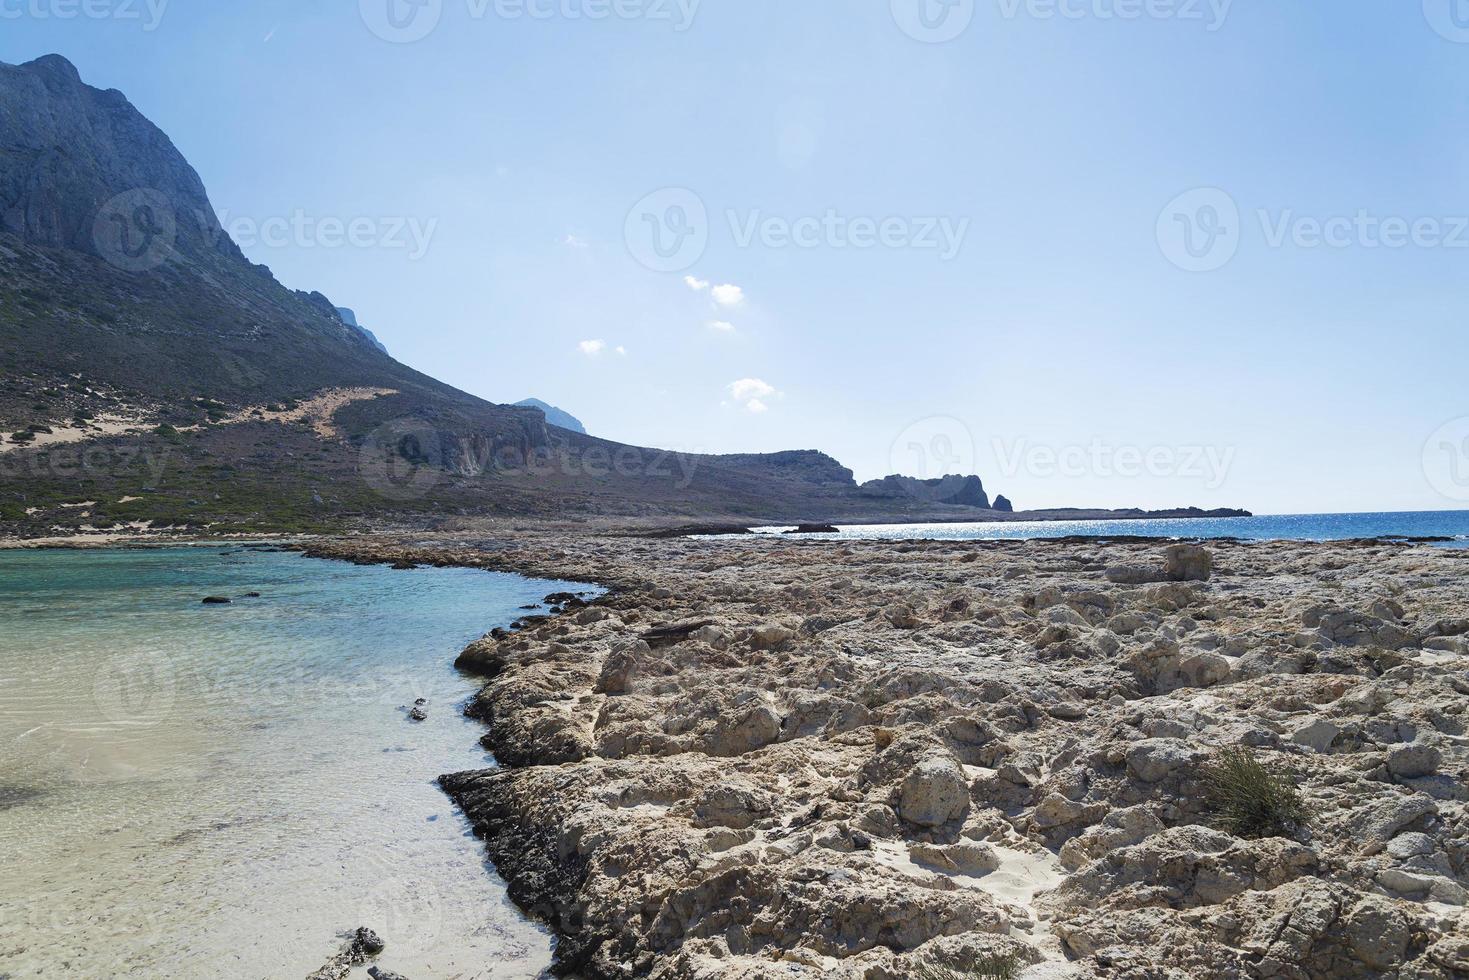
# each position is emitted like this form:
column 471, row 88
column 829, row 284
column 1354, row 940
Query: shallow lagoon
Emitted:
column 207, row 791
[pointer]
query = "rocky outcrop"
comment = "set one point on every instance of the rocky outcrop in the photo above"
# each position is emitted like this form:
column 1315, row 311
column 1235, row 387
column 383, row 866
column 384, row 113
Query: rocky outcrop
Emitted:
column 959, row 491
column 860, row 758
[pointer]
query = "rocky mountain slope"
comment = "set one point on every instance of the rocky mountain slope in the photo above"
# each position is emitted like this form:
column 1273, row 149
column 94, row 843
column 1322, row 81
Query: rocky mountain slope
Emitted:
column 151, row 375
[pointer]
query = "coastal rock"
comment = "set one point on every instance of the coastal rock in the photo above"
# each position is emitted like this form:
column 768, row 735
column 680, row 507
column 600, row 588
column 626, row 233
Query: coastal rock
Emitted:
column 1187, row 563
column 1413, row 761
column 934, row 793
column 1155, row 759
column 1133, row 575
column 886, row 788
column 770, row 637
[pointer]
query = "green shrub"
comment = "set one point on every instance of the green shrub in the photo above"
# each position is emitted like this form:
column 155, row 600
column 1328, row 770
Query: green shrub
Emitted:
column 1249, row 800
column 991, row 967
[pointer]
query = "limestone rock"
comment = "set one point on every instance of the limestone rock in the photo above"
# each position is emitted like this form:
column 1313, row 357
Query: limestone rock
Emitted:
column 934, row 793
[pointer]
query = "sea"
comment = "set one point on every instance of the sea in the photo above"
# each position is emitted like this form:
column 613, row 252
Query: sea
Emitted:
column 1453, row 526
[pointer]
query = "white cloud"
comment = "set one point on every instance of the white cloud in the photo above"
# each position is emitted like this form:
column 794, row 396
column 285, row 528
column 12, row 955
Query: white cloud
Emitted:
column 697, row 285
column 572, row 241
column 622, row 350
column 728, row 295
column 592, row 348
column 722, row 326
column 753, row 394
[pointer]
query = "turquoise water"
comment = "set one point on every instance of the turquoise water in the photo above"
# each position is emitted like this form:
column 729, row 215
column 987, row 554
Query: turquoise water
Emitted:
column 1302, row 527
column 221, row 791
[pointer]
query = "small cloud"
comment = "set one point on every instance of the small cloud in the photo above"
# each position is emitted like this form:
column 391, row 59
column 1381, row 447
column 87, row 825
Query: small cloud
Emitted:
column 697, row 285
column 622, row 350
column 592, row 348
column 271, row 33
column 728, row 295
column 571, row 241
column 721, row 326
column 753, row 394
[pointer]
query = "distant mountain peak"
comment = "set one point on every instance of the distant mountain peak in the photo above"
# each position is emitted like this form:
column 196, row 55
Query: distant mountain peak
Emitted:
column 555, row 416
column 350, row 319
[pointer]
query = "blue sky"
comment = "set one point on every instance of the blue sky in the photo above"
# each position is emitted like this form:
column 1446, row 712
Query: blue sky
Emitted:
column 1076, row 334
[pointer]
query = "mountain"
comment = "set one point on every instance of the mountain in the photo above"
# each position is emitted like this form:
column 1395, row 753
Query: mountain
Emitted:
column 153, row 375
column 350, row 319
column 554, row 415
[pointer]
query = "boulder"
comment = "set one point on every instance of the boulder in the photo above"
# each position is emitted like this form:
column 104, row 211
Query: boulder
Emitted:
column 934, row 793
column 1317, row 734
column 1187, row 563
column 1413, row 761
column 770, row 637
column 1155, row 759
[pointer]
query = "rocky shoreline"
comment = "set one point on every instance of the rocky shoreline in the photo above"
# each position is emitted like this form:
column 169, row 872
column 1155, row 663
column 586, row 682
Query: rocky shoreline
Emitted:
column 786, row 758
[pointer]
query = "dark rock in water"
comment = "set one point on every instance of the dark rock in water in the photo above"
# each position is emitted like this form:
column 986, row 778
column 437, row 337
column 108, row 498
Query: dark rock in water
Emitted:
column 378, row 973
column 404, row 566
column 529, row 608
column 367, row 941
column 815, row 529
column 421, row 701
column 558, row 598
column 418, row 714
column 1002, row 503
column 216, row 600
column 363, row 945
column 252, row 595
column 13, row 795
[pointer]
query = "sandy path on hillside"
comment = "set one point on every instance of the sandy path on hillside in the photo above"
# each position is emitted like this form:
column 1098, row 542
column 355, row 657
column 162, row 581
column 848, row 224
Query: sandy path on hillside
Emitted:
column 317, row 410
column 104, row 426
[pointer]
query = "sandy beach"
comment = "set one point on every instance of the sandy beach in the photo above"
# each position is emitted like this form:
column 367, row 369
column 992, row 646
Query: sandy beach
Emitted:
column 776, row 757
